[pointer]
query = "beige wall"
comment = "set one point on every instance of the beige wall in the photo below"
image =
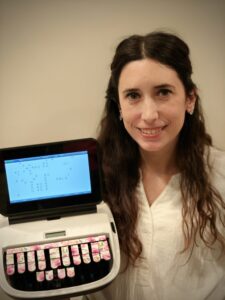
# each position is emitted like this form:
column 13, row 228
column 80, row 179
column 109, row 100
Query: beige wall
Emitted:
column 55, row 57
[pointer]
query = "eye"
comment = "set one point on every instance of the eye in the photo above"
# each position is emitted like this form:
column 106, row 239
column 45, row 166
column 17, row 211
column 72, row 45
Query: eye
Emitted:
column 133, row 95
column 164, row 92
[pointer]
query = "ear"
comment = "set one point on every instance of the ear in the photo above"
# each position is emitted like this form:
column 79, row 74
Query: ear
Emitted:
column 190, row 102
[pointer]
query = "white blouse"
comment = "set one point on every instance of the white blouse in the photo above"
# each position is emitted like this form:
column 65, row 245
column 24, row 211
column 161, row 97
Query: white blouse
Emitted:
column 163, row 273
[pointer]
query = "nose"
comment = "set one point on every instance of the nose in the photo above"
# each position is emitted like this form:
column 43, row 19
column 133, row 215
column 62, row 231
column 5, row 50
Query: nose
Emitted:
column 149, row 110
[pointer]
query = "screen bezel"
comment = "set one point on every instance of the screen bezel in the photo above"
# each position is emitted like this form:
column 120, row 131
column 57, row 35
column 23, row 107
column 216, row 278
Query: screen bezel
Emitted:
column 46, row 206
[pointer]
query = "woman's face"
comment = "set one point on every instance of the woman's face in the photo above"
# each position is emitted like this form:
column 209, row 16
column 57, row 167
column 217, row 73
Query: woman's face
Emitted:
column 153, row 103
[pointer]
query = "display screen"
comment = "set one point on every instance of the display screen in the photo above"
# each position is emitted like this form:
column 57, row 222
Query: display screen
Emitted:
column 48, row 177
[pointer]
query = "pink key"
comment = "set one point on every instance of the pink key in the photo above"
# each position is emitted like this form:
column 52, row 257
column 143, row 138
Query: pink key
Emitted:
column 10, row 270
column 105, row 255
column 65, row 256
column 104, row 250
column 66, row 261
column 40, row 254
column 84, row 248
column 76, row 255
column 65, row 251
column 103, row 245
column 41, row 265
column 70, row 272
column 86, row 258
column 40, row 276
column 61, row 273
column 76, row 260
column 49, row 275
column 95, row 252
column 31, row 256
column 96, row 257
column 41, row 260
column 9, row 259
column 31, row 266
column 21, row 268
column 20, row 258
column 94, row 247
column 85, row 253
column 75, row 250
column 55, row 263
column 54, row 253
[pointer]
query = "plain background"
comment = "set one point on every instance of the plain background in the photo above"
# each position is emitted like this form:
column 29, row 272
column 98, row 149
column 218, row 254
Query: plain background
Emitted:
column 55, row 57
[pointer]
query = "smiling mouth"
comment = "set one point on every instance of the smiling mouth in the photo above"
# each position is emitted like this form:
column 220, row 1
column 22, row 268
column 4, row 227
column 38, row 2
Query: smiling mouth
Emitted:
column 150, row 131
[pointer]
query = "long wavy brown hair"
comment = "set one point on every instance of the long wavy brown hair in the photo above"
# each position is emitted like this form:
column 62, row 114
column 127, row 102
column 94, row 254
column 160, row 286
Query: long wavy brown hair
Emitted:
column 202, row 204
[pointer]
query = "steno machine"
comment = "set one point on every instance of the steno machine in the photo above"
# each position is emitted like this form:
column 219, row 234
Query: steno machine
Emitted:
column 57, row 237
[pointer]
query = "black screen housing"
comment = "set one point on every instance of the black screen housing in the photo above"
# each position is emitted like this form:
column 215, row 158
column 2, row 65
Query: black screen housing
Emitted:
column 49, row 208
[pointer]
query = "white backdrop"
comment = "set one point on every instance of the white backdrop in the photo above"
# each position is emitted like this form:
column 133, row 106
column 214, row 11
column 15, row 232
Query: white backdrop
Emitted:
column 55, row 57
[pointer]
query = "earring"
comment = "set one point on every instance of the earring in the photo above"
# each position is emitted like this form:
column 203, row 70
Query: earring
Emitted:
column 120, row 117
column 191, row 111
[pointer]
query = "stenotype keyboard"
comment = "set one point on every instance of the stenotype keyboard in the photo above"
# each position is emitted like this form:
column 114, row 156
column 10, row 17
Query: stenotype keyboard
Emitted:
column 56, row 250
column 58, row 264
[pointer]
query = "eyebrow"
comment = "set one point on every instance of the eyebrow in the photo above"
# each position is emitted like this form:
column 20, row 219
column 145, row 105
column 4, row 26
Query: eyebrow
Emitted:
column 130, row 90
column 164, row 86
column 157, row 87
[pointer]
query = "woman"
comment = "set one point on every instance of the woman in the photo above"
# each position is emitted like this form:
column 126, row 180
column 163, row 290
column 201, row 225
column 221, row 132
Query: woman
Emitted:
column 164, row 182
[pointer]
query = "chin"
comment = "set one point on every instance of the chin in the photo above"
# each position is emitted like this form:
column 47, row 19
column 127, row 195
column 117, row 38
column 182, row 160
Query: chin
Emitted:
column 150, row 148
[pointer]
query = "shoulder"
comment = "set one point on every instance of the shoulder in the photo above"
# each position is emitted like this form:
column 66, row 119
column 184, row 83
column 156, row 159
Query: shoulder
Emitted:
column 217, row 159
column 217, row 171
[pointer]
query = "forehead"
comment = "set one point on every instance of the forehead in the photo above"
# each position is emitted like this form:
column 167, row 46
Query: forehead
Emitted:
column 147, row 71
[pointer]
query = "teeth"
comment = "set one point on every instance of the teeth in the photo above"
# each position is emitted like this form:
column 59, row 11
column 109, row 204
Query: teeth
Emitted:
column 151, row 131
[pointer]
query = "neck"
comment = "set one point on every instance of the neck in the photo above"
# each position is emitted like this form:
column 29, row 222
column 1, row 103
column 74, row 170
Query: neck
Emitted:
column 159, row 163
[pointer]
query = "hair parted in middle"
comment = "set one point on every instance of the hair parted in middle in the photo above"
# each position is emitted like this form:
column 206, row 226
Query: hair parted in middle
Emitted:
column 121, row 158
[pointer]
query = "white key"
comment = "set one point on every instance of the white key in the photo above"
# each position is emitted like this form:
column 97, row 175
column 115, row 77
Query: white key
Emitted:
column 30, row 256
column 9, row 259
column 41, row 265
column 66, row 261
column 10, row 270
column 96, row 257
column 20, row 258
column 84, row 248
column 75, row 250
column 21, row 268
column 54, row 253
column 76, row 260
column 55, row 263
column 61, row 273
column 49, row 275
column 31, row 266
column 40, row 276
column 70, row 272
column 40, row 254
column 65, row 251
column 86, row 258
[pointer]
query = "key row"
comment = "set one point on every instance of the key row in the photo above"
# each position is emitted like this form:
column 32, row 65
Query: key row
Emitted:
column 59, row 273
column 54, row 258
column 56, row 244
